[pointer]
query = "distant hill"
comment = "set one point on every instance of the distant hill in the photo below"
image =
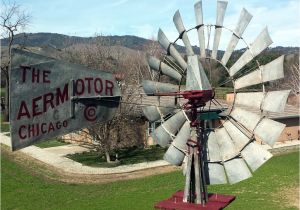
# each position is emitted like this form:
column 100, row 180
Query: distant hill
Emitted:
column 61, row 41
column 133, row 42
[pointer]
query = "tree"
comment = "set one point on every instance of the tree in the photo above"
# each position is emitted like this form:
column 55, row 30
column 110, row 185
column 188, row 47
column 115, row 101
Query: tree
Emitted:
column 13, row 20
column 292, row 73
column 291, row 80
column 121, row 131
column 294, row 79
column 152, row 48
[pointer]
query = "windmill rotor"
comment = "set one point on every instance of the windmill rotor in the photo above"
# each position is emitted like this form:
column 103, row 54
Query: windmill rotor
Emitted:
column 227, row 153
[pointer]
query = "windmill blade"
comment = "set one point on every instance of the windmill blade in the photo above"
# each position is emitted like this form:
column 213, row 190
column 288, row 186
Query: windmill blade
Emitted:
column 221, row 9
column 255, row 155
column 250, row 99
column 182, row 32
column 175, row 154
column 196, row 78
column 215, row 173
column 182, row 136
column 247, row 119
column 200, row 27
column 271, row 71
column 160, row 66
column 273, row 101
column 265, row 129
column 244, row 19
column 151, row 87
column 236, row 134
column 236, row 170
column 153, row 113
column 269, row 131
column 262, row 41
column 168, row 46
column 166, row 131
column 227, row 148
column 213, row 149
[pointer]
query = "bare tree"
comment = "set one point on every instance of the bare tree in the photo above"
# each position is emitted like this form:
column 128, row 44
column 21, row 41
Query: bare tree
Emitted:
column 152, row 48
column 122, row 130
column 293, row 78
column 13, row 20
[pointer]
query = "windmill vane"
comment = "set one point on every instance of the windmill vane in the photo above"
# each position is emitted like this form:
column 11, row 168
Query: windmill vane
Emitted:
column 225, row 153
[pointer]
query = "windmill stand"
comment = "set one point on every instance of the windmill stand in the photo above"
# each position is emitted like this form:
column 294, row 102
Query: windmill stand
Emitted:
column 195, row 195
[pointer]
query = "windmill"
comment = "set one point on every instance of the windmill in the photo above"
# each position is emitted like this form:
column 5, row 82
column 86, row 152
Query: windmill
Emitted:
column 227, row 153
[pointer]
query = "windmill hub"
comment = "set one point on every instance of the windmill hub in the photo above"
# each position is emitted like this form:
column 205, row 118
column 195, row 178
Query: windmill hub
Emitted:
column 197, row 98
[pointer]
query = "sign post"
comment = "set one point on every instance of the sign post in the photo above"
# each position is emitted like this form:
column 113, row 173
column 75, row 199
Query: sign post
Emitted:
column 50, row 97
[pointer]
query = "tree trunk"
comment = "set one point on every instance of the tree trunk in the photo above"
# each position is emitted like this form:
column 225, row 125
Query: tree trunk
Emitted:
column 6, row 110
column 7, row 107
column 107, row 157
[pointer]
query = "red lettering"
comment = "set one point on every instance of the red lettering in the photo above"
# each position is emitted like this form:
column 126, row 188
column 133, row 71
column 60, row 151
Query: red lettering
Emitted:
column 24, row 68
column 35, row 75
column 98, row 88
column 35, row 106
column 89, row 79
column 48, row 100
column 61, row 97
column 45, row 76
column 79, row 81
column 23, row 111
column 109, row 87
column 51, row 127
column 37, row 129
column 58, row 125
column 20, row 132
column 31, row 130
column 42, row 128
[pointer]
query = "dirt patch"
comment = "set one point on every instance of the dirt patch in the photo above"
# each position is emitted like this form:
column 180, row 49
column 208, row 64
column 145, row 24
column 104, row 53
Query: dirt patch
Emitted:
column 289, row 196
column 42, row 170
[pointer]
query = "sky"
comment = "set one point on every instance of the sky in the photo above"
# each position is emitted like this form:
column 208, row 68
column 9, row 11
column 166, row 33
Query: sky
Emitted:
column 143, row 18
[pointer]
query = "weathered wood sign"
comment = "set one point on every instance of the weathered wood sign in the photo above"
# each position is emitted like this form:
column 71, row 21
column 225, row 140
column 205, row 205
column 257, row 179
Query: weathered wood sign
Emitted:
column 50, row 97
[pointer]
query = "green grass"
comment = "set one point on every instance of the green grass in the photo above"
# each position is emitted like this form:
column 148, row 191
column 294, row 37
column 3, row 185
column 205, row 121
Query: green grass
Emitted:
column 51, row 143
column 220, row 92
column 125, row 156
column 4, row 126
column 2, row 92
column 23, row 189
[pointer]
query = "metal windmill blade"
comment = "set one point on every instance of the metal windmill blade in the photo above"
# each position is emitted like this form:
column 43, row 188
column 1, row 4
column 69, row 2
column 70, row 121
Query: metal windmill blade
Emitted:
column 227, row 153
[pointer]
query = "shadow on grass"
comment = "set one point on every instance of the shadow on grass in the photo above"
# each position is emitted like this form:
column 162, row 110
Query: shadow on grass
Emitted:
column 126, row 156
column 51, row 143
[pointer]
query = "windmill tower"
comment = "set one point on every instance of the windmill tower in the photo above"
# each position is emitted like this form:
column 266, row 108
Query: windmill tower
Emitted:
column 227, row 153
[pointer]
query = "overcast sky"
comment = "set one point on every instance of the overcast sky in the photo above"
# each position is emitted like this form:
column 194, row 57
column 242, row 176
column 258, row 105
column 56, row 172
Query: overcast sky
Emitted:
column 144, row 17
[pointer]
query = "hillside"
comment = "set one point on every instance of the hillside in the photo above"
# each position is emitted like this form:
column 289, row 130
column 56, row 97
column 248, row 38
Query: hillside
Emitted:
column 133, row 42
column 61, row 41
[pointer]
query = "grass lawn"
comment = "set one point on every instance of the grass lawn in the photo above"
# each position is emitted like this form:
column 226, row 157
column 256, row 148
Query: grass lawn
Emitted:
column 51, row 143
column 220, row 92
column 125, row 156
column 22, row 189
column 4, row 126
